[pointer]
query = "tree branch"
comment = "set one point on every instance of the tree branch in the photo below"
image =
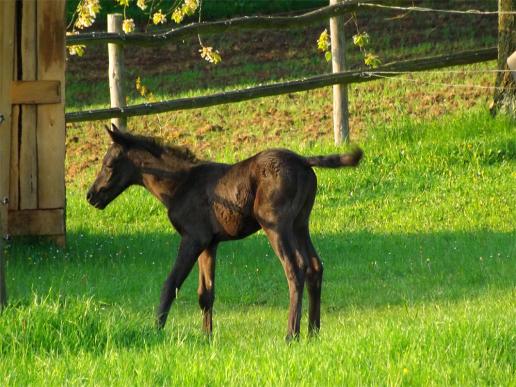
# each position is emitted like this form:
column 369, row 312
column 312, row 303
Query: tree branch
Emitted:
column 206, row 28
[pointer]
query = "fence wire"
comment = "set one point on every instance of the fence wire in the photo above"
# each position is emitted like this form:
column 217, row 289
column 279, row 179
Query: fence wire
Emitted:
column 441, row 84
column 424, row 9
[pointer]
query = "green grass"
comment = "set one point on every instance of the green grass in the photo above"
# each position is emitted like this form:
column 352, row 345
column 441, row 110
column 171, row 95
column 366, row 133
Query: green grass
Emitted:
column 419, row 251
column 418, row 243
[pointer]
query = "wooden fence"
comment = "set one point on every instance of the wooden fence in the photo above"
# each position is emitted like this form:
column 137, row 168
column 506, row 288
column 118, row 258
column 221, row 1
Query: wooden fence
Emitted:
column 338, row 77
column 346, row 77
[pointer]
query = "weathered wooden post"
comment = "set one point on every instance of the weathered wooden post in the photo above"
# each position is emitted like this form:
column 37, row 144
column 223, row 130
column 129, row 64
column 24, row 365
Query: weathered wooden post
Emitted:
column 116, row 69
column 340, row 92
column 7, row 17
column 505, row 93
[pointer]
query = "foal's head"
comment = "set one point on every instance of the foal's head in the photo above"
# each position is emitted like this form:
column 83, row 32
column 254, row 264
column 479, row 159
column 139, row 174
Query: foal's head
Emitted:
column 118, row 171
column 128, row 157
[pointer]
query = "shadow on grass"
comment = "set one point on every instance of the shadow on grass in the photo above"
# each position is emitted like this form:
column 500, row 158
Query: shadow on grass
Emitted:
column 94, row 289
column 130, row 268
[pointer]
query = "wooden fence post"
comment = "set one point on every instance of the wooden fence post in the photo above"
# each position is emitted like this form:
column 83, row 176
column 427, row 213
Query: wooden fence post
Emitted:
column 28, row 153
column 7, row 16
column 340, row 91
column 116, row 70
column 504, row 99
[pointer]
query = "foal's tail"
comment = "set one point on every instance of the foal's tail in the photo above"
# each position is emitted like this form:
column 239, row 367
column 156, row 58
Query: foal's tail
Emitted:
column 336, row 161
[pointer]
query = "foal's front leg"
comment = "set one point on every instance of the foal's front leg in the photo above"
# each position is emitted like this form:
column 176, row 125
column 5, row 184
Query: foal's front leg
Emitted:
column 206, row 290
column 189, row 250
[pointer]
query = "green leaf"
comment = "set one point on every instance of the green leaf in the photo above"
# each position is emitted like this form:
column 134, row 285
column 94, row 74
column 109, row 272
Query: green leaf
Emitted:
column 361, row 40
column 372, row 60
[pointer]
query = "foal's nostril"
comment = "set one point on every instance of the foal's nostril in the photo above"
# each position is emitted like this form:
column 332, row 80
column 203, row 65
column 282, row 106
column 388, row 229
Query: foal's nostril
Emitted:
column 89, row 195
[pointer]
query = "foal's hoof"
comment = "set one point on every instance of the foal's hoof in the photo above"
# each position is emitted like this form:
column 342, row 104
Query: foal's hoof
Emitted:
column 313, row 332
column 160, row 322
column 312, row 335
column 291, row 337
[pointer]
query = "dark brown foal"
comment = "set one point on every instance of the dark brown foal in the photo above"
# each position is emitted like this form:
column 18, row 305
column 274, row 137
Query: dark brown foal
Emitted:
column 211, row 202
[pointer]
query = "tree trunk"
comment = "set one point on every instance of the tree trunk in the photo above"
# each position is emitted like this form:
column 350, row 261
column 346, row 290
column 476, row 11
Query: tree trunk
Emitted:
column 505, row 93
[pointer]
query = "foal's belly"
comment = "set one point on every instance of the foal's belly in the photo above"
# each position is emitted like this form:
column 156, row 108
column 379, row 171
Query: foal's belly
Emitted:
column 233, row 222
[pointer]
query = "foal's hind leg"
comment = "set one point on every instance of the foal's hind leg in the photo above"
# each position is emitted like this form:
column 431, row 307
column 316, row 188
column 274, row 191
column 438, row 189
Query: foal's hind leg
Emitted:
column 189, row 250
column 314, row 277
column 283, row 244
column 206, row 290
column 314, row 272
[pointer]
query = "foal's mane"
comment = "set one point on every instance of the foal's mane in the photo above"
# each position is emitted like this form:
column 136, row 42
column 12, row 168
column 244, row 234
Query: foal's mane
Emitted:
column 158, row 148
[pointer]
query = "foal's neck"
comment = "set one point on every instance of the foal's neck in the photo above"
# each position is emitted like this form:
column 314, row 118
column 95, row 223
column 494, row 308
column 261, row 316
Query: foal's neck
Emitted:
column 162, row 175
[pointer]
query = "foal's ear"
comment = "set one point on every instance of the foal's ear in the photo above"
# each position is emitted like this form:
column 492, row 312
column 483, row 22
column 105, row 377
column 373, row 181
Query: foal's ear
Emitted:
column 116, row 135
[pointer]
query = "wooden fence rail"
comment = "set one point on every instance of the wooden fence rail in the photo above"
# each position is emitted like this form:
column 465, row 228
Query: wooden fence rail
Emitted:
column 429, row 63
column 207, row 28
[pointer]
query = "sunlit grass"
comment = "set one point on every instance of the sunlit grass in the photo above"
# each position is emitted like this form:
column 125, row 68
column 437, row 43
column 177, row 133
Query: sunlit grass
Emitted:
column 419, row 251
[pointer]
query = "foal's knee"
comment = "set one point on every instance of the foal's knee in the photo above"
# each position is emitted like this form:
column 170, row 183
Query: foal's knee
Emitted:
column 315, row 273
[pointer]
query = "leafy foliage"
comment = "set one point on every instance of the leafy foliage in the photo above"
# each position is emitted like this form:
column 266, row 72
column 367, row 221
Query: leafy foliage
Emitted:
column 372, row 60
column 128, row 25
column 211, row 55
column 324, row 44
column 87, row 11
column 159, row 17
column 362, row 41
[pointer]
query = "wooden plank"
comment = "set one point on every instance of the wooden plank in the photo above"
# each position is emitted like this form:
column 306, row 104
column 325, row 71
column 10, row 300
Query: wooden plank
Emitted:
column 35, row 92
column 340, row 91
column 14, row 184
column 15, row 127
column 392, row 69
column 116, row 70
column 7, row 17
column 59, row 240
column 28, row 92
column 50, row 129
column 36, row 222
column 28, row 174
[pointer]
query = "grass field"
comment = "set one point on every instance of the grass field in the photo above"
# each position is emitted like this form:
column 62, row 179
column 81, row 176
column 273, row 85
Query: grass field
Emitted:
column 418, row 243
column 419, row 252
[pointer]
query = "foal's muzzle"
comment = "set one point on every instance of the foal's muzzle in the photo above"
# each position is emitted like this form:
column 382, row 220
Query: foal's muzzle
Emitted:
column 95, row 200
